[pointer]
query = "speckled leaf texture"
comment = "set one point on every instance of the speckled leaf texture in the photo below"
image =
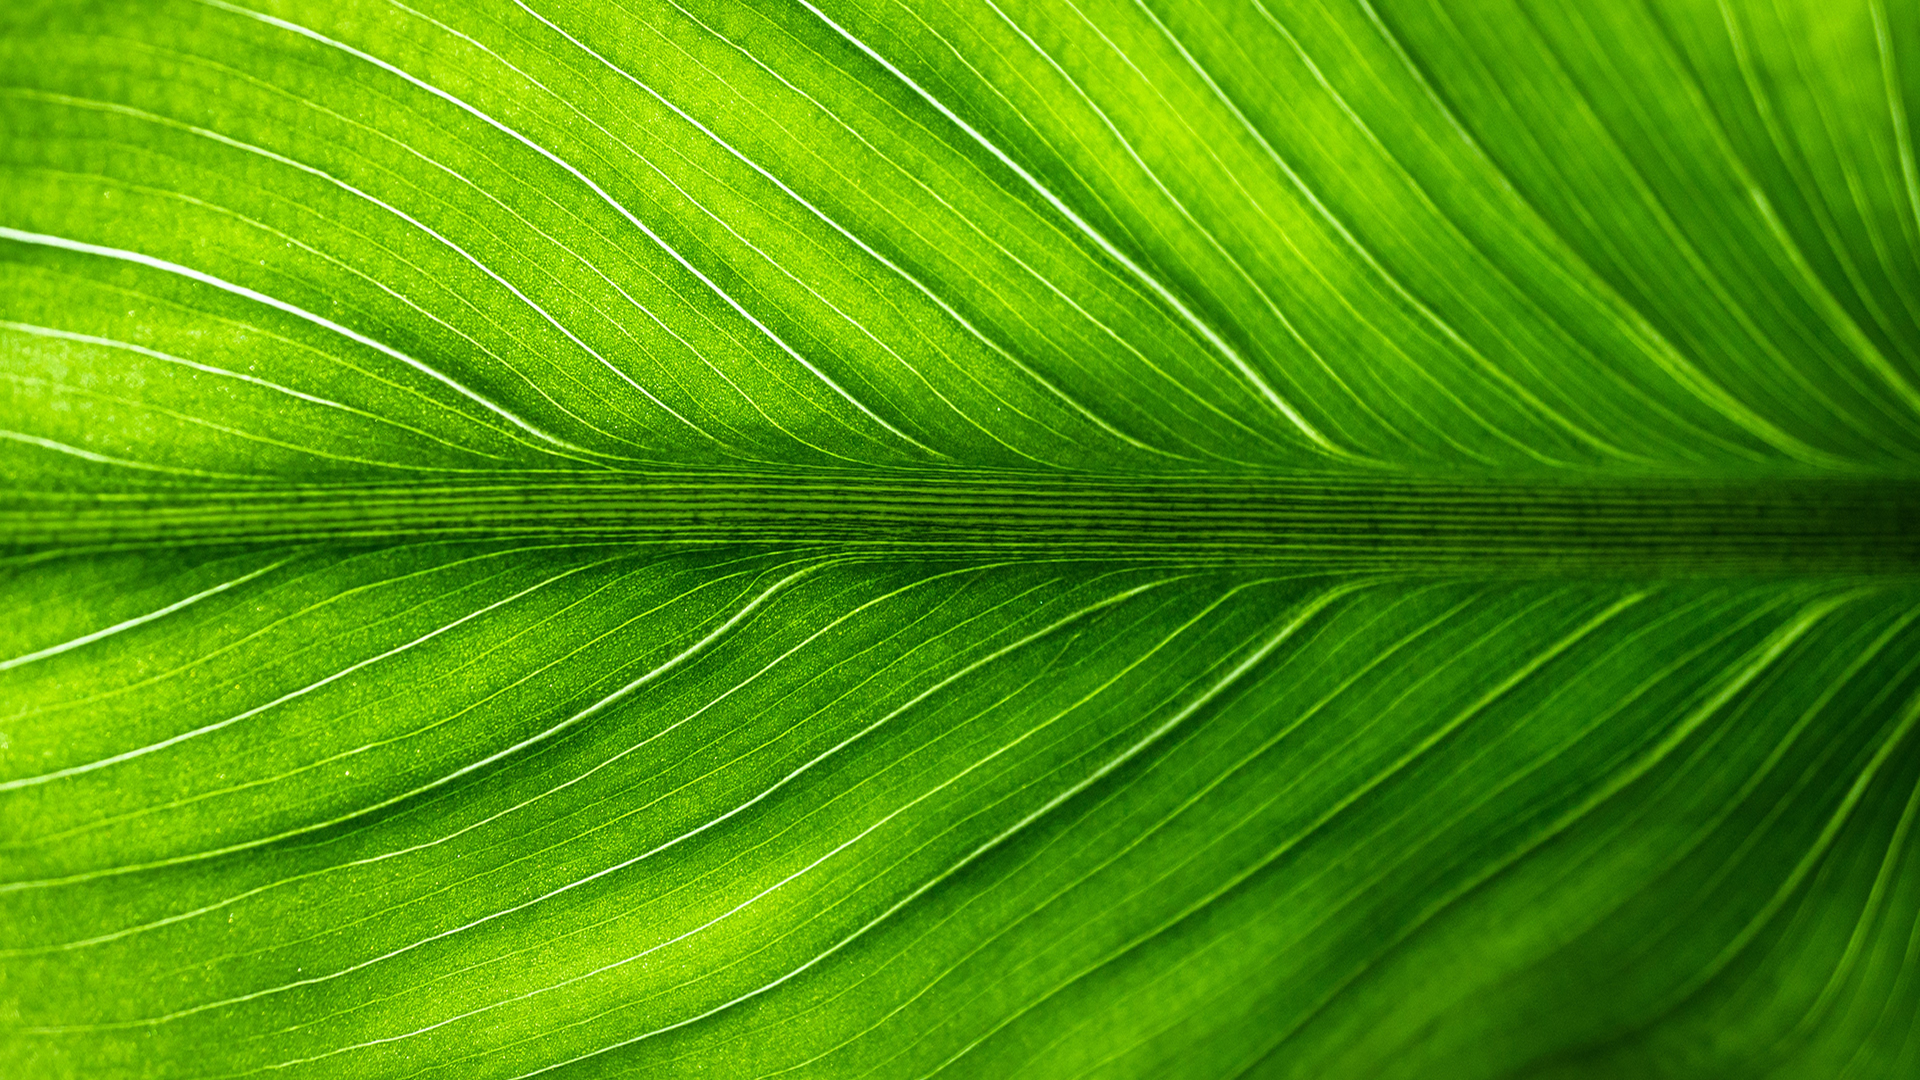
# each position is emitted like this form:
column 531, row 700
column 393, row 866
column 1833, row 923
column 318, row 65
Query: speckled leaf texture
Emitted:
column 1320, row 539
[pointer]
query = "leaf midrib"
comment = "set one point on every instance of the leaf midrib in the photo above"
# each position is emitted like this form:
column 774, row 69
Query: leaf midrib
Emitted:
column 1793, row 525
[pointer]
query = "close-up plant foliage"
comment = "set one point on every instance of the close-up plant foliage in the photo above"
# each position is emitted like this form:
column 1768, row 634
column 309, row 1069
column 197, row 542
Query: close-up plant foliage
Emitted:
column 1330, row 539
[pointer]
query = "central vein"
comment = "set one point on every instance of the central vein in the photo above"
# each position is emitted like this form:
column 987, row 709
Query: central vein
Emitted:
column 1854, row 525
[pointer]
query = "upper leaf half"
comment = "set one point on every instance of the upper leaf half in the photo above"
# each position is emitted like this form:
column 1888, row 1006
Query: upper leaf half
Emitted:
column 1301, row 538
column 325, row 242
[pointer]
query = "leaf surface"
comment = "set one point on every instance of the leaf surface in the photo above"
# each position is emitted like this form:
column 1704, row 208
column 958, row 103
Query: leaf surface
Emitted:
column 1156, row 538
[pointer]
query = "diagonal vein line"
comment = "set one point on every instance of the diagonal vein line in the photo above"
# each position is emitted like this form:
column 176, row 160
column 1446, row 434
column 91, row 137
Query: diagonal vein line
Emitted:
column 1756, row 663
column 599, row 191
column 594, row 709
column 865, row 247
column 1193, row 321
column 253, row 380
column 383, row 856
column 1810, row 860
column 206, row 729
column 721, row 221
column 589, row 974
column 987, row 236
column 1635, row 323
column 1300, row 619
column 128, row 624
column 64, row 244
column 343, row 185
column 1897, row 115
column 438, row 782
column 108, row 459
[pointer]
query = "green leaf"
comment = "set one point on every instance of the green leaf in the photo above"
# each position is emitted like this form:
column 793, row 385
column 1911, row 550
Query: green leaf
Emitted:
column 1295, row 538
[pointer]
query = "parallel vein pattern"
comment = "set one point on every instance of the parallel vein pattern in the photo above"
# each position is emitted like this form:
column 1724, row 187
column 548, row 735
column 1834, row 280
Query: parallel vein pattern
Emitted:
column 872, row 538
column 843, row 817
column 1111, row 237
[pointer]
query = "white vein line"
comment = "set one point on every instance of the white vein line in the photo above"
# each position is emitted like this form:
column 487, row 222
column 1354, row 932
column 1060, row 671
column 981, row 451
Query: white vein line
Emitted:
column 1862, row 950
column 362, row 1003
column 440, row 781
column 89, row 339
column 256, row 330
column 1113, row 763
column 1896, row 112
column 437, row 841
column 63, row 389
column 1793, row 151
column 1634, row 323
column 436, row 91
column 63, row 243
column 127, row 346
column 87, row 639
column 107, row 459
column 999, row 247
column 1160, row 185
column 1133, row 153
column 1044, row 850
column 338, row 593
column 204, row 729
column 462, row 179
column 826, row 807
column 1434, row 738
column 1445, row 327
column 346, row 266
column 489, row 1007
column 1308, row 262
column 469, row 659
column 349, row 864
column 1814, row 855
column 1707, row 274
column 1334, row 222
column 721, row 221
column 656, row 672
column 923, row 288
column 602, row 703
column 1532, row 842
column 1807, row 280
column 1162, row 291
column 343, row 185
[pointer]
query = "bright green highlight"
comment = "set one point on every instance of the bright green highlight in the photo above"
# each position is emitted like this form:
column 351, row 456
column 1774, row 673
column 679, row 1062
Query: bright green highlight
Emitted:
column 1334, row 539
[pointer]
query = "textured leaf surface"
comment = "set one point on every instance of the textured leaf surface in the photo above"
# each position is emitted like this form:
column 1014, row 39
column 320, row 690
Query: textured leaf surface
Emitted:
column 1299, row 538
